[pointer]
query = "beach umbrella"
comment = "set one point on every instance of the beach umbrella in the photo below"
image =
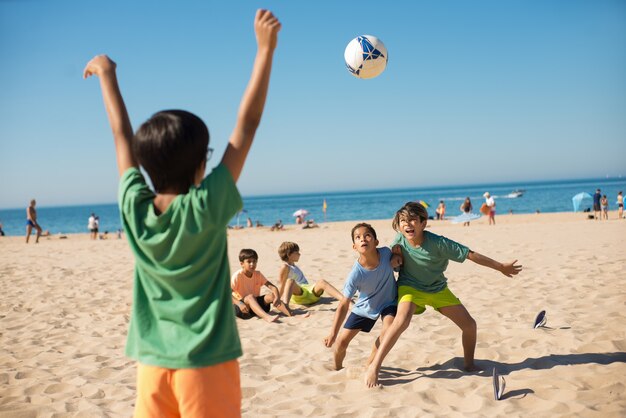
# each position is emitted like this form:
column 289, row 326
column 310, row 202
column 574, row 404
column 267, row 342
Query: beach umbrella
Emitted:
column 577, row 200
column 301, row 212
column 421, row 202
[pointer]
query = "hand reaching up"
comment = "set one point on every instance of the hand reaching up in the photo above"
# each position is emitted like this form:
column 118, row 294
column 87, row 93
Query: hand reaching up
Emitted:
column 99, row 65
column 266, row 27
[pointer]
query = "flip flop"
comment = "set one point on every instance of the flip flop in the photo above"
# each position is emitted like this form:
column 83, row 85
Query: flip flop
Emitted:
column 540, row 320
column 498, row 385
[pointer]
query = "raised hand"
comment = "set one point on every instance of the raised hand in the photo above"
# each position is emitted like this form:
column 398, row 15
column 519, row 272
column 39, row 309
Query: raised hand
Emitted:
column 99, row 65
column 266, row 27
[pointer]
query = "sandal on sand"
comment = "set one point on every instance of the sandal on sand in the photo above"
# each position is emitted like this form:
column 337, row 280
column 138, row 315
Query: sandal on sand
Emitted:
column 540, row 320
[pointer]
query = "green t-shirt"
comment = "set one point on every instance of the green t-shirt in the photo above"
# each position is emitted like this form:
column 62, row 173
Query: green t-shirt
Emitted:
column 182, row 315
column 424, row 265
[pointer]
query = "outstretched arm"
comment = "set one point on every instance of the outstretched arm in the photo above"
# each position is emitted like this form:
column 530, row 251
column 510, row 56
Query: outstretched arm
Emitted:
column 266, row 27
column 103, row 67
column 508, row 269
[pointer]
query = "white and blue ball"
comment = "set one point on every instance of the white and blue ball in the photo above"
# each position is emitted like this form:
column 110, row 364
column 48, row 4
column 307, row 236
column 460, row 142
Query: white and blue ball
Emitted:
column 366, row 56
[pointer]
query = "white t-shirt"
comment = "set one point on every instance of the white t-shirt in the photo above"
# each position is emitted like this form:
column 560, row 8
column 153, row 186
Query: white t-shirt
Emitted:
column 91, row 223
column 490, row 202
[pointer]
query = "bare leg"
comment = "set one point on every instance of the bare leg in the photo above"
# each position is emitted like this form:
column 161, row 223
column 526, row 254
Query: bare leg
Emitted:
column 256, row 308
column 38, row 232
column 322, row 286
column 387, row 321
column 341, row 345
column 29, row 230
column 283, row 308
column 290, row 288
column 461, row 317
column 399, row 325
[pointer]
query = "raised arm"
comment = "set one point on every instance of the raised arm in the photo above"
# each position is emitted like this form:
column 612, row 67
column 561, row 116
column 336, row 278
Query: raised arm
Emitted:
column 103, row 67
column 266, row 27
column 508, row 269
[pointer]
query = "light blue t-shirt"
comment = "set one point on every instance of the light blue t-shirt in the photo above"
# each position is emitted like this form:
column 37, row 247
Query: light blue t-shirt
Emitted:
column 377, row 287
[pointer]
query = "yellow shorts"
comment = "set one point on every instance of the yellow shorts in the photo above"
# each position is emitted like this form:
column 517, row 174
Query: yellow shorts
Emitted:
column 213, row 391
column 420, row 299
column 307, row 297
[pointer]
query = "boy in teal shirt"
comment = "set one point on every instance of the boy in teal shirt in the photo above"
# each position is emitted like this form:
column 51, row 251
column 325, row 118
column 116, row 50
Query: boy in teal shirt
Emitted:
column 182, row 330
column 422, row 282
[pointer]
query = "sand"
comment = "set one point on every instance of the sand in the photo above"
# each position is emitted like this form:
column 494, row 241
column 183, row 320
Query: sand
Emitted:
column 65, row 304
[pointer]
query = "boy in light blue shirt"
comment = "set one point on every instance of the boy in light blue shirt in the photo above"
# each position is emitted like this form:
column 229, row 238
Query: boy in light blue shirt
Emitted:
column 372, row 277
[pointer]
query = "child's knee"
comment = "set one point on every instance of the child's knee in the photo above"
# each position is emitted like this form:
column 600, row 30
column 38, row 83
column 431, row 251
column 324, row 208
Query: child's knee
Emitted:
column 470, row 325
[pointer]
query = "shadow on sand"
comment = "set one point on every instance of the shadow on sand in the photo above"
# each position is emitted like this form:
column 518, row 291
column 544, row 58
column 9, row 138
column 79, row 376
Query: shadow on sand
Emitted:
column 453, row 368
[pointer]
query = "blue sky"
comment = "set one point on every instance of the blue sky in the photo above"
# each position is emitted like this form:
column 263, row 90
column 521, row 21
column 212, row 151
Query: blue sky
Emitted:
column 474, row 92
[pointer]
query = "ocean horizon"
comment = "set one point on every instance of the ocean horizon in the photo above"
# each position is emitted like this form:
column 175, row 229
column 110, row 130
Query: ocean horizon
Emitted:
column 358, row 205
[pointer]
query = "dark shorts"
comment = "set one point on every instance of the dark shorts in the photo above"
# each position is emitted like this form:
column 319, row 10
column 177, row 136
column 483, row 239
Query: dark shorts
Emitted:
column 29, row 222
column 366, row 324
column 261, row 300
column 596, row 207
column 620, row 205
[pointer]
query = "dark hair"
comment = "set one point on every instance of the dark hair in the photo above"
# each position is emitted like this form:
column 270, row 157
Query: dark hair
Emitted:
column 286, row 249
column 369, row 227
column 247, row 253
column 171, row 146
column 410, row 210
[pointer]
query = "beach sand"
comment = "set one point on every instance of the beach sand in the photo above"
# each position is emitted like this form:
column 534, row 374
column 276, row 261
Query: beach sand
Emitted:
column 65, row 304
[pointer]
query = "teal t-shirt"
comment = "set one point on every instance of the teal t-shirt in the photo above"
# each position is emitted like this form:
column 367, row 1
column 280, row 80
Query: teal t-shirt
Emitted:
column 182, row 315
column 424, row 265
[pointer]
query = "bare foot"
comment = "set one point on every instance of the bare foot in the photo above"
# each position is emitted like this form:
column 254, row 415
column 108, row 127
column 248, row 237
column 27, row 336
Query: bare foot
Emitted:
column 371, row 377
column 472, row 368
column 270, row 318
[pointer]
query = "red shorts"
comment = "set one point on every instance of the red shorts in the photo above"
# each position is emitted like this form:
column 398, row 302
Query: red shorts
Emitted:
column 213, row 391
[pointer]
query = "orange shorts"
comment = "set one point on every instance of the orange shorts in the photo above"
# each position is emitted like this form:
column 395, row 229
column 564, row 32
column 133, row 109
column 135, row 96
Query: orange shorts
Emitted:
column 213, row 391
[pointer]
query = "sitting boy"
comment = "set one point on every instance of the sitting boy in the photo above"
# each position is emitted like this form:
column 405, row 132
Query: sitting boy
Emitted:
column 372, row 276
column 246, row 285
column 294, row 286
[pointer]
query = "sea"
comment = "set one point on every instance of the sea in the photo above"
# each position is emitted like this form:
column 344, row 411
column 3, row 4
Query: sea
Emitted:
column 542, row 196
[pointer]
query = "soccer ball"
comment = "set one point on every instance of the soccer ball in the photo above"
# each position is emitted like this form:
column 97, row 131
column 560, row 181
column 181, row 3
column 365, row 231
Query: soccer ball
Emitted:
column 366, row 56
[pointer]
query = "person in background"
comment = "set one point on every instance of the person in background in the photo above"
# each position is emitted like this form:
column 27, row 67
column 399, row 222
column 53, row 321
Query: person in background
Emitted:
column 466, row 207
column 441, row 210
column 491, row 204
column 620, row 205
column 91, row 225
column 604, row 205
column 596, row 204
column 31, row 221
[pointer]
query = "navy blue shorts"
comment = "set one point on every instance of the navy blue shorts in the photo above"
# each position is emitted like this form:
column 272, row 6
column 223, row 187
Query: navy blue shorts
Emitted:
column 366, row 324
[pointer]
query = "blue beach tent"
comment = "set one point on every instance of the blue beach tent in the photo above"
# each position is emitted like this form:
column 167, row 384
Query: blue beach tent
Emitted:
column 577, row 200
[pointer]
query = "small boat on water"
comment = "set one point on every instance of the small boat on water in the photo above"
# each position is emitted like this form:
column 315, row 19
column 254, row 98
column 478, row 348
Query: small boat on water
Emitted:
column 516, row 193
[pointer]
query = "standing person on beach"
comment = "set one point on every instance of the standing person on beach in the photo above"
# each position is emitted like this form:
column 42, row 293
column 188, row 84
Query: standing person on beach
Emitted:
column 421, row 282
column 620, row 205
column 91, row 225
column 604, row 205
column 31, row 221
column 441, row 210
column 183, row 332
column 491, row 204
column 596, row 204
column 466, row 207
column 371, row 276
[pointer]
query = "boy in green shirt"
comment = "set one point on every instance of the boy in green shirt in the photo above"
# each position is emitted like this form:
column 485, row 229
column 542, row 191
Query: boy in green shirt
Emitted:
column 182, row 330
